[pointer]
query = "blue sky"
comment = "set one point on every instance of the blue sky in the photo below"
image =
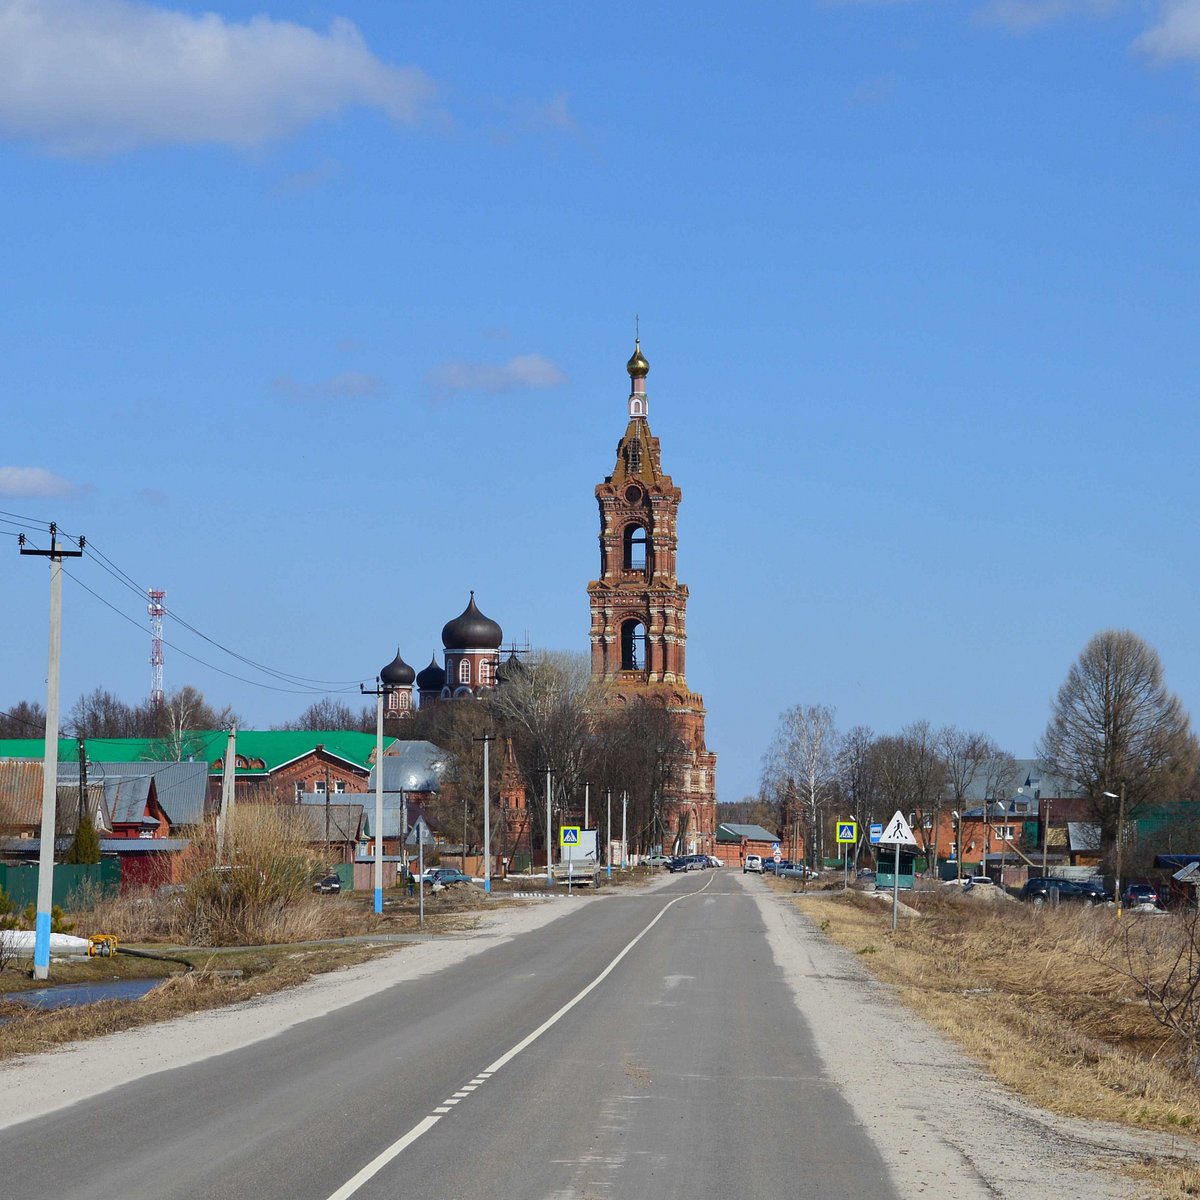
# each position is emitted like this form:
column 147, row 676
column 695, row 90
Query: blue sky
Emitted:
column 317, row 314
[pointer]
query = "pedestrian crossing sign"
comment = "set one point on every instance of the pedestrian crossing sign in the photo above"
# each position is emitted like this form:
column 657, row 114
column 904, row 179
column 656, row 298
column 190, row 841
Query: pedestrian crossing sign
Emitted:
column 568, row 835
column 847, row 833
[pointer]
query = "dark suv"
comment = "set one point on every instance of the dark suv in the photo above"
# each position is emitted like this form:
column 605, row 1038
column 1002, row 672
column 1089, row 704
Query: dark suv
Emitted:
column 1079, row 891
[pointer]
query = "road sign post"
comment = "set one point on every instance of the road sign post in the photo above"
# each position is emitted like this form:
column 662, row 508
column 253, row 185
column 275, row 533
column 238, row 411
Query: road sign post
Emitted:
column 847, row 835
column 568, row 839
column 897, row 834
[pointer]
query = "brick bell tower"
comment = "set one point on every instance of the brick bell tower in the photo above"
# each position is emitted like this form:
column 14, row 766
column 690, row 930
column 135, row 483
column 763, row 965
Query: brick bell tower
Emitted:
column 639, row 611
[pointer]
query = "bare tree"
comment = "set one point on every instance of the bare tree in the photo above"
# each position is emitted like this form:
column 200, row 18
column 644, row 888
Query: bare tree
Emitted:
column 1114, row 725
column 802, row 761
column 186, row 723
column 100, row 714
column 971, row 759
column 857, row 778
column 912, row 778
column 25, row 719
column 548, row 709
column 330, row 714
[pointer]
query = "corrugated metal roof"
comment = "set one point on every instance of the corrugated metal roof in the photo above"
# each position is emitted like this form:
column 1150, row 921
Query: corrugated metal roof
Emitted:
column 752, row 833
column 181, row 787
column 20, row 794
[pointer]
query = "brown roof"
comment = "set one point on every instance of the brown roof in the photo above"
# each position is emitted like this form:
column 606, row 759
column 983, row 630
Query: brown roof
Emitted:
column 21, row 799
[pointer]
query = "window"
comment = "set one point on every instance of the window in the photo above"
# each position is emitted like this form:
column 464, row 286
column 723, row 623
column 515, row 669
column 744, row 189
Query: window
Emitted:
column 633, row 646
column 319, row 787
column 486, row 672
column 635, row 548
column 464, row 671
column 1004, row 832
column 299, row 790
column 339, row 785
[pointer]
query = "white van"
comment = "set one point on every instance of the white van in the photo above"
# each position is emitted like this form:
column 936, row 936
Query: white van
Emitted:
column 753, row 863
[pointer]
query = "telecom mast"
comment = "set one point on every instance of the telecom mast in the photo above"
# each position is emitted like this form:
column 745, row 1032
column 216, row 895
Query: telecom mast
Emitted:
column 156, row 609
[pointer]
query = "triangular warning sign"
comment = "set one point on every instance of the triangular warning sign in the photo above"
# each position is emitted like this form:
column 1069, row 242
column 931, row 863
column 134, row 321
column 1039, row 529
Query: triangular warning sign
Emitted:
column 898, row 832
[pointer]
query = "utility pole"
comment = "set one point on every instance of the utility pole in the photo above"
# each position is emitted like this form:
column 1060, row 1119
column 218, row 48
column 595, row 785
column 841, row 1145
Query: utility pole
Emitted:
column 487, row 740
column 624, row 836
column 82, row 786
column 45, row 892
column 608, row 848
column 381, row 689
column 228, row 776
column 586, row 787
column 549, row 835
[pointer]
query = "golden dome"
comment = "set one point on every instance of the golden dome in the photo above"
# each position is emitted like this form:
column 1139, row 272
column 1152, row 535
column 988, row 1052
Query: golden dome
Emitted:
column 637, row 366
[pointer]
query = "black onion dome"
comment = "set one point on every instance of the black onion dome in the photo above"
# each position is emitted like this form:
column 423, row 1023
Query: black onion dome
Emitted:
column 433, row 678
column 471, row 630
column 397, row 673
column 511, row 668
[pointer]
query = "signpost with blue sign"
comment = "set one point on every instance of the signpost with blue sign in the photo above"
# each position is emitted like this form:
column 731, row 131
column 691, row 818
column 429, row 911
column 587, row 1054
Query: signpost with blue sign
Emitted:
column 568, row 839
column 876, row 832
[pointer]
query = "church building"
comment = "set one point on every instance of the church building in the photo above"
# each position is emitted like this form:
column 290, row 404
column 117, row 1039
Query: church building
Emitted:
column 639, row 614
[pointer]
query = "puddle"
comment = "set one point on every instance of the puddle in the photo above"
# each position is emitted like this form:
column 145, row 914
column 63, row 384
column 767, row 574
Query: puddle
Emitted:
column 70, row 995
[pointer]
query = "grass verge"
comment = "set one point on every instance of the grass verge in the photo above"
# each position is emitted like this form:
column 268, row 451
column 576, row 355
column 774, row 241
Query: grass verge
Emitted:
column 1027, row 993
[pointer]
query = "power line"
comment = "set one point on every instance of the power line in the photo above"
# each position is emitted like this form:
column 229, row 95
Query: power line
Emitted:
column 283, row 676
column 201, row 661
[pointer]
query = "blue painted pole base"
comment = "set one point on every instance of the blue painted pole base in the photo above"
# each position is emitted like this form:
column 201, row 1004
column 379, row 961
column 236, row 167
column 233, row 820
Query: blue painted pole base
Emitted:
column 487, row 885
column 379, row 900
column 41, row 942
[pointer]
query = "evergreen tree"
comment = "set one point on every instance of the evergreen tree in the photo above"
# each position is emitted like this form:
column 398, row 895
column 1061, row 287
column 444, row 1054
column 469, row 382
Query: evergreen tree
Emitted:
column 86, row 846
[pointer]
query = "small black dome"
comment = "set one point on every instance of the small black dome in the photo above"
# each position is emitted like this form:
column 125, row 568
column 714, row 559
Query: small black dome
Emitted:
column 471, row 630
column 397, row 673
column 511, row 668
column 433, row 678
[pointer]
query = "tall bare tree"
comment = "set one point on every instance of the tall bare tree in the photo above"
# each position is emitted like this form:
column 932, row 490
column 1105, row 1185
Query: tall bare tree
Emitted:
column 973, row 762
column 329, row 714
column 857, row 779
column 1114, row 725
column 25, row 719
column 801, row 761
column 912, row 778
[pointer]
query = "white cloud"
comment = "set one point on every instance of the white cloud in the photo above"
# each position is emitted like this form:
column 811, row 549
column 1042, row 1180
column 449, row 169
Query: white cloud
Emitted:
column 349, row 385
column 100, row 76
column 1033, row 14
column 33, row 481
column 1177, row 34
column 523, row 371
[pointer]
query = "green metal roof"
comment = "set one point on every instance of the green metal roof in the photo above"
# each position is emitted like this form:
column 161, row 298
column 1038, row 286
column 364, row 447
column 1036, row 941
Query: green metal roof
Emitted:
column 264, row 750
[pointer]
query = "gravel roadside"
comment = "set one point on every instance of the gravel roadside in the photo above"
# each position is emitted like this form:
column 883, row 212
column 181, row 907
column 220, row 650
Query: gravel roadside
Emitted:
column 943, row 1125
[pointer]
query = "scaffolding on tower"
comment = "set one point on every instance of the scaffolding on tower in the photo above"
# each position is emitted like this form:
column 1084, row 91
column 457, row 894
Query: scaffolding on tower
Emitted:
column 157, row 610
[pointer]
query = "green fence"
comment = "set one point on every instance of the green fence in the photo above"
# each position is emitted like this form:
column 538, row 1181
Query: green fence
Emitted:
column 20, row 882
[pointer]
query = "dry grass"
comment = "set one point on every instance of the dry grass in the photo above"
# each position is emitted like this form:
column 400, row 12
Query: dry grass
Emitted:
column 221, row 979
column 1028, row 993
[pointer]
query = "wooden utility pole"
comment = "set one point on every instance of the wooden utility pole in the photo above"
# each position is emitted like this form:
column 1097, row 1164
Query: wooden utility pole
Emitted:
column 45, row 892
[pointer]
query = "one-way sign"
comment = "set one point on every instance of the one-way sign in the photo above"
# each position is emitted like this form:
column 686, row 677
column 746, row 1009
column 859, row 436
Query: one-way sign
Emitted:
column 897, row 832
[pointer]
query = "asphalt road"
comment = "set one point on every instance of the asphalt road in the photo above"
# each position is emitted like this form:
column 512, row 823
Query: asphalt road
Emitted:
column 643, row 1046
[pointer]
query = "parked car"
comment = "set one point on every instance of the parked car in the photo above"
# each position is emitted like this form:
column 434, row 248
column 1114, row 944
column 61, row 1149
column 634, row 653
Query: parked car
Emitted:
column 714, row 861
column 772, row 864
column 657, row 860
column 445, row 876
column 790, row 870
column 1140, row 893
column 754, row 863
column 1082, row 891
column 327, row 885
column 678, row 862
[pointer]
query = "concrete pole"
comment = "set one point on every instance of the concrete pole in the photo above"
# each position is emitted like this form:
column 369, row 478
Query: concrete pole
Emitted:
column 624, row 838
column 1120, row 843
column 45, row 890
column 228, row 775
column 378, row 873
column 487, row 819
column 549, row 835
column 608, row 848
column 586, row 786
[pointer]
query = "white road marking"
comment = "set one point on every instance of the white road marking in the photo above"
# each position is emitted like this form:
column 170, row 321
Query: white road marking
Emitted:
column 401, row 1144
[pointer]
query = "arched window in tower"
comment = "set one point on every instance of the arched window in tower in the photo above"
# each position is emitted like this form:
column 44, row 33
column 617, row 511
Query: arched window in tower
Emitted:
column 464, row 671
column 633, row 646
column 487, row 675
column 635, row 548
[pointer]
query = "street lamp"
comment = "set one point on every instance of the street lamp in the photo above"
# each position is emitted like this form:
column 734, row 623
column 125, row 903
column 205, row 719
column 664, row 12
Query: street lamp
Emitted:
column 1002, row 808
column 1120, row 840
column 956, row 817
